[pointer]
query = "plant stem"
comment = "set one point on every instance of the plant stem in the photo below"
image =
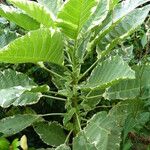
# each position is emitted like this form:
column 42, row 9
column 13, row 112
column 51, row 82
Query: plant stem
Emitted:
column 67, row 138
column 48, row 70
column 53, row 97
column 51, row 114
column 56, row 93
column 96, row 96
column 89, row 69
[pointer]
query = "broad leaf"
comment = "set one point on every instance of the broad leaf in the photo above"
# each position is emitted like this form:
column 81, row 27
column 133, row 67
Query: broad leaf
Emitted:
column 18, row 17
column 15, row 87
column 52, row 5
column 103, row 131
column 39, row 45
column 73, row 16
column 125, row 27
column 36, row 11
column 115, row 17
column 129, row 89
column 14, row 124
column 50, row 133
column 108, row 72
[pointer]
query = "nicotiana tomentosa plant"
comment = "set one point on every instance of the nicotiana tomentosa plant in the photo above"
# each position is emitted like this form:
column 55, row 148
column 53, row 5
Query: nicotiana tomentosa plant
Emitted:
column 66, row 33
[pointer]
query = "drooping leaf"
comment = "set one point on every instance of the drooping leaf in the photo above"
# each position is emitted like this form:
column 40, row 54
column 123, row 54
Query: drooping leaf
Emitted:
column 52, row 5
column 18, row 17
column 125, row 27
column 50, row 133
column 36, row 11
column 73, row 16
column 38, row 45
column 15, row 87
column 103, row 131
column 108, row 72
column 129, row 89
column 14, row 124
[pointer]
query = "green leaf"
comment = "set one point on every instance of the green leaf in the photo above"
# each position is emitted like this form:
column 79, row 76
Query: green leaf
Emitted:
column 144, row 40
column 50, row 133
column 129, row 89
column 38, row 45
column 109, row 72
column 18, row 17
column 36, row 11
column 15, row 144
column 125, row 7
column 14, row 124
column 63, row 147
column 98, row 15
column 15, row 87
column 133, row 123
column 52, row 5
column 115, row 17
column 73, row 16
column 103, row 131
column 4, row 144
column 124, row 28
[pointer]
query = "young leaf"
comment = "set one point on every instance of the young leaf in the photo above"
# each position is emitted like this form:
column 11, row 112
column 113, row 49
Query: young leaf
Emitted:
column 4, row 144
column 14, row 124
column 108, row 72
column 18, row 17
column 73, row 16
column 129, row 89
column 14, row 87
column 51, row 133
column 38, row 45
column 36, row 11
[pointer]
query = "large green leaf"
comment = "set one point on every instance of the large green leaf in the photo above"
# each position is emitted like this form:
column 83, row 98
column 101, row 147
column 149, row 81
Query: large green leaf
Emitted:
column 18, row 17
column 73, row 16
column 14, row 124
column 129, row 89
column 50, row 133
column 125, row 7
column 52, row 5
column 103, row 131
column 16, row 89
column 115, row 17
column 36, row 11
column 125, row 27
column 108, row 72
column 38, row 45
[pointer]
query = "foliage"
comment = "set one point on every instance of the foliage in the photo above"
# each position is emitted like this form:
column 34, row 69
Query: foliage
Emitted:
column 85, row 51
